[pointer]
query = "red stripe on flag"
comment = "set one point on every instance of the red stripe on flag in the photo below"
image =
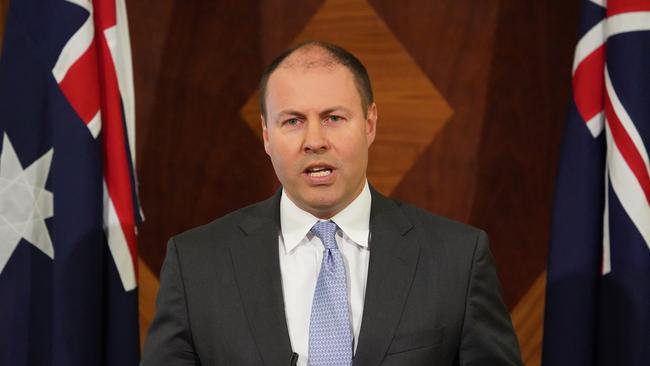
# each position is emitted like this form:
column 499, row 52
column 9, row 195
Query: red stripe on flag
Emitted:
column 115, row 150
column 589, row 84
column 80, row 85
column 615, row 7
column 105, row 14
column 627, row 148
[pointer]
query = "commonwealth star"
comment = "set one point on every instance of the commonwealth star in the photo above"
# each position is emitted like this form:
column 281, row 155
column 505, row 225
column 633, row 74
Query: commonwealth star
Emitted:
column 24, row 203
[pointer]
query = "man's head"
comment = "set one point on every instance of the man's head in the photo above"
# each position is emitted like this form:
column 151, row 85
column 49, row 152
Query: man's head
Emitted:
column 318, row 122
column 336, row 55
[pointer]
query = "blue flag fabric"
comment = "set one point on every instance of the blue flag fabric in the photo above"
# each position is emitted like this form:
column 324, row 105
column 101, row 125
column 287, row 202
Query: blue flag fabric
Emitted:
column 64, row 298
column 598, row 287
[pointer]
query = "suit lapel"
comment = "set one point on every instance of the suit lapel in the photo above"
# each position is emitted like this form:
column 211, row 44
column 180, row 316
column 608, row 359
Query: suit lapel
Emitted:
column 257, row 272
column 393, row 260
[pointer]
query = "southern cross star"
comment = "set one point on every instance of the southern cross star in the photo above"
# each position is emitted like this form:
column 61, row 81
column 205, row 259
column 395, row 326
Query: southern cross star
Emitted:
column 24, row 203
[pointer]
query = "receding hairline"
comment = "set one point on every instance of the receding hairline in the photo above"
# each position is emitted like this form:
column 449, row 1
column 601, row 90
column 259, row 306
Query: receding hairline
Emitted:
column 312, row 54
column 309, row 57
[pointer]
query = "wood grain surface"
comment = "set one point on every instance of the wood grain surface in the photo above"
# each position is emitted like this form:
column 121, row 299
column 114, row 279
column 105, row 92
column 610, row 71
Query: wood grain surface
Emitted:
column 4, row 6
column 411, row 110
column 502, row 68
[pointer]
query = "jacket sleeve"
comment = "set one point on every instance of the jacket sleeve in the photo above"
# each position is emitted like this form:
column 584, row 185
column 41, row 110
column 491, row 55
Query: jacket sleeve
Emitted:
column 169, row 341
column 487, row 337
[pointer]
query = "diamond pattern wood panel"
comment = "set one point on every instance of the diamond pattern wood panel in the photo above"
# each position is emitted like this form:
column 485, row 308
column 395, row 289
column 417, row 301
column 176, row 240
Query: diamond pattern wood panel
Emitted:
column 411, row 110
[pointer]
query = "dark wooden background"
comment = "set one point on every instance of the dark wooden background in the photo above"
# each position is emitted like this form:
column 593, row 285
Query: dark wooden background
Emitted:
column 503, row 68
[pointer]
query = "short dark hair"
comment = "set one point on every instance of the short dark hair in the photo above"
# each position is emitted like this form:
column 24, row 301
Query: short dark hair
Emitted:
column 340, row 55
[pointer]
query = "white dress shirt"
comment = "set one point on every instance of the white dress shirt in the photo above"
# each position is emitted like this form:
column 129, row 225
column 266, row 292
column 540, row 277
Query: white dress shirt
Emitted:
column 301, row 254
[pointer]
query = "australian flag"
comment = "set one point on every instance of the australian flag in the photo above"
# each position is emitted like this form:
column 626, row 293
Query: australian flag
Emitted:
column 68, row 208
column 598, row 288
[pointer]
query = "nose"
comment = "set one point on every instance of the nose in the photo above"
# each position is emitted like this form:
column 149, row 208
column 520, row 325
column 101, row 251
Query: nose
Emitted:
column 315, row 137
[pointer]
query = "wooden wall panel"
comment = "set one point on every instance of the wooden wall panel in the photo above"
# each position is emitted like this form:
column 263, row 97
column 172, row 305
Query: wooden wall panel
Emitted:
column 452, row 41
column 528, row 320
column 527, row 100
column 505, row 70
column 197, row 158
column 412, row 111
column 502, row 66
column 196, row 69
column 148, row 285
column 4, row 6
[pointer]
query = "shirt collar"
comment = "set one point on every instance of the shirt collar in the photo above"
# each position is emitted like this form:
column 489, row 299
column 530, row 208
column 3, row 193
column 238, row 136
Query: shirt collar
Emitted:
column 353, row 220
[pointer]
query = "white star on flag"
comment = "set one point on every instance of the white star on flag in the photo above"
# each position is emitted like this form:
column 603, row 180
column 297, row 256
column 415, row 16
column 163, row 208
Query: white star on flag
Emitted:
column 24, row 203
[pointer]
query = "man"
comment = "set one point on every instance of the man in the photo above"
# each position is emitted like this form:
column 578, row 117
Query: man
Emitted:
column 327, row 271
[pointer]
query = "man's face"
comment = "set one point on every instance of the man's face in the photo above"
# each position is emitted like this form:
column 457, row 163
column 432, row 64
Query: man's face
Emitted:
column 318, row 136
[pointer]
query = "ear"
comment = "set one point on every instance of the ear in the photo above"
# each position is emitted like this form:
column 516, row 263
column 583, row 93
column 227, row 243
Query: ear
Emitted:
column 371, row 123
column 265, row 135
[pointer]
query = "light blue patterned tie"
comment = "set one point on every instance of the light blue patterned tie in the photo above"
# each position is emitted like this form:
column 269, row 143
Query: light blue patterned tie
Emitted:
column 330, row 330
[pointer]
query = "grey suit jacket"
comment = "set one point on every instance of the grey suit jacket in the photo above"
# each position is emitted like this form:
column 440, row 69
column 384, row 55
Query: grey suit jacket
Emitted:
column 432, row 294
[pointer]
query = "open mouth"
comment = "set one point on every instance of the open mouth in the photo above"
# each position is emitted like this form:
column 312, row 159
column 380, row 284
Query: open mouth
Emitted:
column 318, row 171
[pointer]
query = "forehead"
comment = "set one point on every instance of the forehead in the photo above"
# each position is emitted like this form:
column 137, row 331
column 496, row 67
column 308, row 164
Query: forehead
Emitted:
column 302, row 84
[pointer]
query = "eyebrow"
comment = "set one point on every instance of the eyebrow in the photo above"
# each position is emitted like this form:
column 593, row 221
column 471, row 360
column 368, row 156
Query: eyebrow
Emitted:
column 329, row 111
column 326, row 112
column 290, row 112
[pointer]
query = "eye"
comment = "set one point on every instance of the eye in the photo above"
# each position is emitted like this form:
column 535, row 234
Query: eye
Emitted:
column 291, row 122
column 334, row 118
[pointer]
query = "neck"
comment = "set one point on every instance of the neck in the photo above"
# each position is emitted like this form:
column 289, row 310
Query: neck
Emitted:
column 327, row 212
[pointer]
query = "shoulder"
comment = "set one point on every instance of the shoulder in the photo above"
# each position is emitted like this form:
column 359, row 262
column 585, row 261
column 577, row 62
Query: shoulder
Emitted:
column 443, row 233
column 439, row 224
column 222, row 231
column 423, row 222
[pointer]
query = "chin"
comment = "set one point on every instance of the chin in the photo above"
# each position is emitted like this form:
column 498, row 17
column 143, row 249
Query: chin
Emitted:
column 323, row 205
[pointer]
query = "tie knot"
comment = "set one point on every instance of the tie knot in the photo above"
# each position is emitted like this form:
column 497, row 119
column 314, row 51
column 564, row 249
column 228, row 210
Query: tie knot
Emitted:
column 326, row 231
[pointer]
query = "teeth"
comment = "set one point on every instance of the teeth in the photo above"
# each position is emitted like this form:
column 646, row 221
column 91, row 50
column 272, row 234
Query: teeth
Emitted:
column 320, row 173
